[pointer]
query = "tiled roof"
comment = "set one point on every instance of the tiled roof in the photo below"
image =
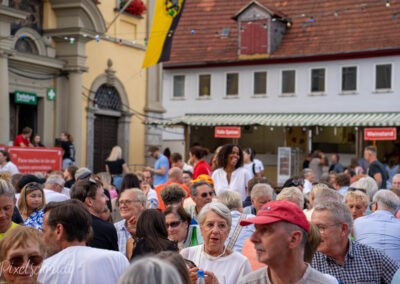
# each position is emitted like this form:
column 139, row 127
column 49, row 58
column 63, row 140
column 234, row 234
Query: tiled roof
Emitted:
column 340, row 26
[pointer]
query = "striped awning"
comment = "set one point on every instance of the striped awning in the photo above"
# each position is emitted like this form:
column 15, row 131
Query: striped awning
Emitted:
column 284, row 119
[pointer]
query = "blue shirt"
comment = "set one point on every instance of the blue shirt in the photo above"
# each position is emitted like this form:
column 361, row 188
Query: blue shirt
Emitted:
column 380, row 230
column 35, row 220
column 162, row 162
column 362, row 264
column 123, row 235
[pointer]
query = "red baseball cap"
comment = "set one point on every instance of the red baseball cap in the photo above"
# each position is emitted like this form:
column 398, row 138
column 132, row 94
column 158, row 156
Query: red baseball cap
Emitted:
column 279, row 210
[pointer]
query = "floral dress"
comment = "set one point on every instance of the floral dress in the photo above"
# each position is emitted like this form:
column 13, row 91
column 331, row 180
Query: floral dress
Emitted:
column 35, row 220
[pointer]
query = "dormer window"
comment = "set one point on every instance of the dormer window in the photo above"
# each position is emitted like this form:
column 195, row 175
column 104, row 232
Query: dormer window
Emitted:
column 260, row 30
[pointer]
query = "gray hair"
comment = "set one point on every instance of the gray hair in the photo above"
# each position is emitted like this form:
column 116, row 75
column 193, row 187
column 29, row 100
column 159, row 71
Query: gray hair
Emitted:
column 307, row 171
column 339, row 212
column 194, row 186
column 218, row 208
column 7, row 189
column 262, row 189
column 367, row 183
column 326, row 194
column 151, row 270
column 55, row 179
column 139, row 195
column 292, row 194
column 387, row 200
column 231, row 199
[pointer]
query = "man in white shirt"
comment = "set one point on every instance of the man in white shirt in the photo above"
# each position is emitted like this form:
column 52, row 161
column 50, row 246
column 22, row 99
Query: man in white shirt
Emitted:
column 309, row 178
column 53, row 188
column 6, row 165
column 66, row 229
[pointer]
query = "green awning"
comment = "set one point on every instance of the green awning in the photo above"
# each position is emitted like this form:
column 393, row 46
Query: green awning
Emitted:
column 284, row 119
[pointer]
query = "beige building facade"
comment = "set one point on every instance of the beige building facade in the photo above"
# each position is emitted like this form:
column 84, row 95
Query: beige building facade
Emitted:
column 77, row 65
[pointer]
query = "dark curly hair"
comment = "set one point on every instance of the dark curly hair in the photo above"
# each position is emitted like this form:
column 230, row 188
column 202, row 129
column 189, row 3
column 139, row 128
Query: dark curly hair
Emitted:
column 225, row 151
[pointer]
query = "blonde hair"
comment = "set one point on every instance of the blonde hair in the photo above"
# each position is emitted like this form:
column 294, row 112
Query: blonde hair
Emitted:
column 21, row 236
column 358, row 196
column 28, row 188
column 116, row 154
column 293, row 194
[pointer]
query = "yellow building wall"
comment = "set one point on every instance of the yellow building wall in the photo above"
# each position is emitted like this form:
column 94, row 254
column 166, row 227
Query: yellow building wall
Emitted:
column 127, row 62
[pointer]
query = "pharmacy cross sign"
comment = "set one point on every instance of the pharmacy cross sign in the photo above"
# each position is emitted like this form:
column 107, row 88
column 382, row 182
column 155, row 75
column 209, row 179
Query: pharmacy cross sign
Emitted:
column 51, row 94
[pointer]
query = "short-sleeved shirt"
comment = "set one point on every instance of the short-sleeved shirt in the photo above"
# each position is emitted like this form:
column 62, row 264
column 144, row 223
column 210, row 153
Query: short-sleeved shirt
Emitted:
column 19, row 140
column 362, row 264
column 162, row 162
column 311, row 276
column 377, row 167
column 115, row 167
column 35, row 220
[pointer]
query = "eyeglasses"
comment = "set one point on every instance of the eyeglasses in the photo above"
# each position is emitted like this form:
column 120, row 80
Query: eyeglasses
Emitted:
column 127, row 202
column 18, row 261
column 204, row 194
column 174, row 224
column 357, row 189
column 323, row 228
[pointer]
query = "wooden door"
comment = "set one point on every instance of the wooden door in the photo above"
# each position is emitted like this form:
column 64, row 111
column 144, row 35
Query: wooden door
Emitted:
column 105, row 138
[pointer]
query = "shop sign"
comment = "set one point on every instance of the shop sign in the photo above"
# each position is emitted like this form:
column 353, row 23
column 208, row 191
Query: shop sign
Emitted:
column 227, row 132
column 389, row 133
column 29, row 159
column 51, row 94
column 25, row 98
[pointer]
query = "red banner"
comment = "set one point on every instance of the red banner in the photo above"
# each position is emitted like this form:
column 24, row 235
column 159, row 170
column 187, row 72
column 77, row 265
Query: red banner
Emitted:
column 389, row 133
column 227, row 132
column 29, row 160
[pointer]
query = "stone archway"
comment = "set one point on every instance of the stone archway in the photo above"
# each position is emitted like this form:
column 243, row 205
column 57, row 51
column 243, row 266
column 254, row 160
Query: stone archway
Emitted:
column 111, row 114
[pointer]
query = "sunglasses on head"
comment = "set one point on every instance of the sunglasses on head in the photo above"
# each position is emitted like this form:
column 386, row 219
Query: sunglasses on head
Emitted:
column 210, row 193
column 357, row 189
column 33, row 185
column 173, row 224
column 18, row 261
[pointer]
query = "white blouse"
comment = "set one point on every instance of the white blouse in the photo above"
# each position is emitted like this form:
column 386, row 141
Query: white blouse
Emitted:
column 239, row 179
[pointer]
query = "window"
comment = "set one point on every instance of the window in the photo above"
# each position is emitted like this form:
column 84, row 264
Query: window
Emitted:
column 349, row 78
column 383, row 78
column 260, row 83
column 204, row 85
column 288, row 81
column 254, row 37
column 318, row 80
column 232, row 84
column 179, row 86
column 107, row 97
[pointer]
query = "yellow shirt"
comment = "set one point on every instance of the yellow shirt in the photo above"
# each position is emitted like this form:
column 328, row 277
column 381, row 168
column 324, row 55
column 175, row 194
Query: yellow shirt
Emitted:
column 13, row 225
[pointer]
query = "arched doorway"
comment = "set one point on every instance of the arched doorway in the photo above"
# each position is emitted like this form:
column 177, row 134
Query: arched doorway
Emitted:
column 108, row 119
column 105, row 125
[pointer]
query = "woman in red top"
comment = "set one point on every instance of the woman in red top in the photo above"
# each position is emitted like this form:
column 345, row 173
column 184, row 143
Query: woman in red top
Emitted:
column 201, row 167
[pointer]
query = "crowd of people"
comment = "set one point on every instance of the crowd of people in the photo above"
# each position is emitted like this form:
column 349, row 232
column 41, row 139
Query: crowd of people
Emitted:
column 218, row 220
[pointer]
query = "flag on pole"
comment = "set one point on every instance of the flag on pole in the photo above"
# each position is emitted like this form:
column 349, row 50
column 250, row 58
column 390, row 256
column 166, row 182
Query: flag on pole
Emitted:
column 165, row 21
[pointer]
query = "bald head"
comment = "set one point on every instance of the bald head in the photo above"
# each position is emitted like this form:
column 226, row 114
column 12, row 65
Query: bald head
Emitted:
column 175, row 175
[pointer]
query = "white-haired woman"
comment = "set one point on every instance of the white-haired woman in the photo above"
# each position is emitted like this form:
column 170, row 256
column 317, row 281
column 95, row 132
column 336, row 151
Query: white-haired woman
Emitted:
column 221, row 265
column 116, row 166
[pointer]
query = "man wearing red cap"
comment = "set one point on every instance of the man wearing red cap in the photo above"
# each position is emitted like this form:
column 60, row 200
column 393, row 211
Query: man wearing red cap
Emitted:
column 279, row 239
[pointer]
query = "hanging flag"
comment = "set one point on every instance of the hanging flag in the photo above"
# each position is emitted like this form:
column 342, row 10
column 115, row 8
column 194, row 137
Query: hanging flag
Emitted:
column 165, row 21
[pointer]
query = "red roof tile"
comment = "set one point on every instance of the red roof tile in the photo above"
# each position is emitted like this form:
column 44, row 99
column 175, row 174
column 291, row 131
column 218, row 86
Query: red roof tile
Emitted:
column 340, row 26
